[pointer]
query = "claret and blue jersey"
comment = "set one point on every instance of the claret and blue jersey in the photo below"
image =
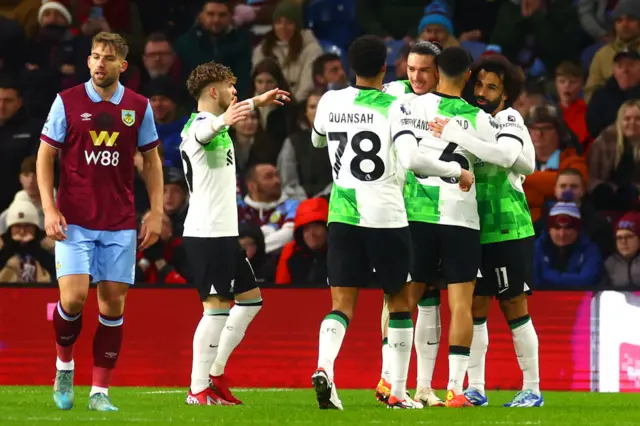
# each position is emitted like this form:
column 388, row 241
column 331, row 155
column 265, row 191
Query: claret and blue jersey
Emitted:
column 97, row 141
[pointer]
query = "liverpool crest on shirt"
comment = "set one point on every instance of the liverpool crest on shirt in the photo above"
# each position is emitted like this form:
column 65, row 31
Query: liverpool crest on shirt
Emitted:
column 128, row 117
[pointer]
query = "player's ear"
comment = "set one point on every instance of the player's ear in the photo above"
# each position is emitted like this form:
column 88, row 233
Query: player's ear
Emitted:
column 124, row 66
column 213, row 92
column 383, row 71
column 467, row 75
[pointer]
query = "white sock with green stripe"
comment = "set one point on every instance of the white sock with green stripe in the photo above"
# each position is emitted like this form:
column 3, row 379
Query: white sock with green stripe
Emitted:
column 400, row 338
column 240, row 316
column 525, row 342
column 205, row 346
column 332, row 331
column 427, row 336
column 478, row 355
column 386, row 360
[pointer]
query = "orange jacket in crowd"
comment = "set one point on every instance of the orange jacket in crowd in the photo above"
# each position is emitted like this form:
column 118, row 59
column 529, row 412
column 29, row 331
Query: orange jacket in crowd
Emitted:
column 311, row 210
column 574, row 116
column 540, row 185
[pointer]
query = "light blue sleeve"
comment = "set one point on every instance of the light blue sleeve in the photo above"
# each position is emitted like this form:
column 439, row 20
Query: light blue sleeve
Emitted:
column 291, row 207
column 147, row 132
column 55, row 128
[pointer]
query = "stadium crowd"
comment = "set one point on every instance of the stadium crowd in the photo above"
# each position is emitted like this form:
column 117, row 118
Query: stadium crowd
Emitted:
column 581, row 104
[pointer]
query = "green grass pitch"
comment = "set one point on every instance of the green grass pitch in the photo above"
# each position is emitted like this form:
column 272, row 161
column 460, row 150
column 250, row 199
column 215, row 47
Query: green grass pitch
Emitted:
column 160, row 406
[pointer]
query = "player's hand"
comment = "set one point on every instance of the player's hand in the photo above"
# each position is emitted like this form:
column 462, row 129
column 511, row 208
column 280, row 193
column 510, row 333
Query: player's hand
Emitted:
column 150, row 230
column 272, row 97
column 236, row 112
column 55, row 224
column 436, row 126
column 466, row 180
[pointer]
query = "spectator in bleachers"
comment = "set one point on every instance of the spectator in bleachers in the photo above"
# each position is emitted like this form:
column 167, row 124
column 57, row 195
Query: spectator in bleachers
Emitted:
column 120, row 16
column 268, row 206
column 556, row 149
column 19, row 138
column 531, row 96
column 564, row 255
column 25, row 12
column 293, row 47
column 614, row 161
column 627, row 36
column 305, row 171
column 164, row 98
column 436, row 25
column 570, row 186
column 622, row 269
column 159, row 61
column 544, row 29
column 390, row 19
column 474, row 20
column 173, row 17
column 23, row 256
column 400, row 65
column 303, row 262
column 594, row 18
column 163, row 262
column 251, row 144
column 175, row 198
column 252, row 241
column 12, row 47
column 278, row 122
column 213, row 38
column 622, row 86
column 569, row 84
column 51, row 58
column 29, row 191
column 328, row 73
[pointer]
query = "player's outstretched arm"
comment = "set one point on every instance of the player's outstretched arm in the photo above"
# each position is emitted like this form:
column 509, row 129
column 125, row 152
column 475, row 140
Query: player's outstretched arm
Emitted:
column 503, row 154
column 526, row 162
column 54, row 222
column 272, row 97
column 412, row 158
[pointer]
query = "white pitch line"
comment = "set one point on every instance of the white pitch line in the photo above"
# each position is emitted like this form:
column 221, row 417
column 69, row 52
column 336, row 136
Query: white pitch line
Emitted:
column 172, row 391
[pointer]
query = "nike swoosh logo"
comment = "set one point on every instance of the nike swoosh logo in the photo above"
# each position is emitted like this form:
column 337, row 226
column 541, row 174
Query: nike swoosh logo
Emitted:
column 432, row 343
column 213, row 346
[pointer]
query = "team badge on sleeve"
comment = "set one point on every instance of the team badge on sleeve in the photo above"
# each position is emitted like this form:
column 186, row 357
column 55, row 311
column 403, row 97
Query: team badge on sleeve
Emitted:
column 128, row 117
column 405, row 109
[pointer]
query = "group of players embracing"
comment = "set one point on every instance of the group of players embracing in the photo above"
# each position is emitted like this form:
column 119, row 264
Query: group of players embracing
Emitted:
column 428, row 188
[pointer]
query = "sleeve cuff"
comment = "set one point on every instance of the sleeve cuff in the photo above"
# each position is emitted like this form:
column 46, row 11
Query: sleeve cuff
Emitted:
column 55, row 144
column 149, row 146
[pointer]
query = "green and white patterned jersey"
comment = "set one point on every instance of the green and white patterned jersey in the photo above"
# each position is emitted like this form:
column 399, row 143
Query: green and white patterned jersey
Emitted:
column 211, row 175
column 354, row 122
column 440, row 200
column 502, row 205
column 399, row 89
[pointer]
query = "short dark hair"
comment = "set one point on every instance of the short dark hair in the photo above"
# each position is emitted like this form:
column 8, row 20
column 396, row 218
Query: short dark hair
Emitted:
column 113, row 40
column 571, row 172
column 28, row 165
column 321, row 61
column 157, row 37
column 426, row 48
column 508, row 73
column 205, row 74
column 9, row 83
column 453, row 62
column 569, row 69
column 224, row 2
column 367, row 56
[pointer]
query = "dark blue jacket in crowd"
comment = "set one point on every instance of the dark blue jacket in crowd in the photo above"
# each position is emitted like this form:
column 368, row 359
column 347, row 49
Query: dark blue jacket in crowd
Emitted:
column 580, row 267
column 169, row 134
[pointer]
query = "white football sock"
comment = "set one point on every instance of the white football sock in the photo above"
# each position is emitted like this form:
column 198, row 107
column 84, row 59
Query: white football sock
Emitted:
column 205, row 346
column 96, row 389
column 386, row 360
column 427, row 340
column 525, row 342
column 332, row 331
column 65, row 366
column 400, row 337
column 478, row 356
column 457, row 370
column 239, row 319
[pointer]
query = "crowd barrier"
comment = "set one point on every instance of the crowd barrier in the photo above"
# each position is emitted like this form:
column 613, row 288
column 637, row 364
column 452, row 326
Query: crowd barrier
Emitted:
column 588, row 341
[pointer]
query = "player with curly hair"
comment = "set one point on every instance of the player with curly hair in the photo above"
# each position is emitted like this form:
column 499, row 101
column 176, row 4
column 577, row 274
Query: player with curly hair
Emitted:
column 219, row 267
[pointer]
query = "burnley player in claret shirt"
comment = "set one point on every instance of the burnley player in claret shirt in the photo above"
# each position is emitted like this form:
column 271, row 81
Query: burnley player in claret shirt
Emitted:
column 95, row 129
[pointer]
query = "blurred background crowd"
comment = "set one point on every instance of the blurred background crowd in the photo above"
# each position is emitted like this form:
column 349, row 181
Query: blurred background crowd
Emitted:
column 581, row 104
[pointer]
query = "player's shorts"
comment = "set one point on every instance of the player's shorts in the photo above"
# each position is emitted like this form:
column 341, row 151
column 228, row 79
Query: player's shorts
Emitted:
column 218, row 266
column 105, row 255
column 507, row 269
column 355, row 250
column 447, row 252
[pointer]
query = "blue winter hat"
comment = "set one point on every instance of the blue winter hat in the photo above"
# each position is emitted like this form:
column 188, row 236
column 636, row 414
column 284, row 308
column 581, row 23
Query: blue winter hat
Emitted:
column 437, row 13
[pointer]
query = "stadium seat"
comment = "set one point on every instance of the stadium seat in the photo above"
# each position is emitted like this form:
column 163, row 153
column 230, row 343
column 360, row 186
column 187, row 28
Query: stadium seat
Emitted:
column 333, row 20
column 475, row 48
column 587, row 56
